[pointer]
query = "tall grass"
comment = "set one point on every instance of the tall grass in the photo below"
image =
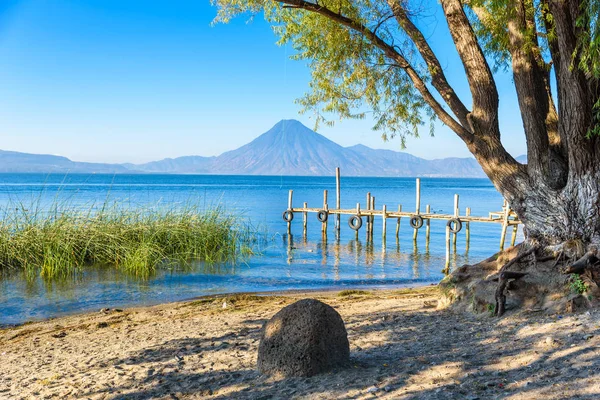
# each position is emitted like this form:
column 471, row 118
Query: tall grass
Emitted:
column 61, row 242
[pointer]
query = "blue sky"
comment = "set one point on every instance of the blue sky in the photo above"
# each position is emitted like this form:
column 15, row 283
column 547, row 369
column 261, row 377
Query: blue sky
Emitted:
column 135, row 81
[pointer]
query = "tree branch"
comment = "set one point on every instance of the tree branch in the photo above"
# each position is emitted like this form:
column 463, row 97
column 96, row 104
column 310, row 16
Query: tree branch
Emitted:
column 575, row 107
column 393, row 54
column 484, row 118
column 438, row 79
column 483, row 136
column 531, row 91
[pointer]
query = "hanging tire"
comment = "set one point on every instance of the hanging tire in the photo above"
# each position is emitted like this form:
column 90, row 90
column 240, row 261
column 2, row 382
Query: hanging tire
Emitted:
column 416, row 221
column 322, row 216
column 355, row 222
column 455, row 225
column 288, row 216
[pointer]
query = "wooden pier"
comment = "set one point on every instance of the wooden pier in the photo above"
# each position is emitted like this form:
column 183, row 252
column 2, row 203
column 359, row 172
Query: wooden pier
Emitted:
column 416, row 219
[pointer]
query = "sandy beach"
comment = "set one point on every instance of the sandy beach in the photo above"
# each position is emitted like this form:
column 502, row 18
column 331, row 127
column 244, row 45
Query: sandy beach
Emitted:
column 402, row 347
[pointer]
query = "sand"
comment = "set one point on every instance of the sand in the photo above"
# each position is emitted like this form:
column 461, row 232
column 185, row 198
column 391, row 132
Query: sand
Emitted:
column 402, row 347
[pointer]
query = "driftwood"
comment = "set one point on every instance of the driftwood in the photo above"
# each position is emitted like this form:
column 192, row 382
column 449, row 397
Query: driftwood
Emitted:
column 505, row 276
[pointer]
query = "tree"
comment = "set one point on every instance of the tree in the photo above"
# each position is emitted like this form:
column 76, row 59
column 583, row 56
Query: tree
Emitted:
column 371, row 54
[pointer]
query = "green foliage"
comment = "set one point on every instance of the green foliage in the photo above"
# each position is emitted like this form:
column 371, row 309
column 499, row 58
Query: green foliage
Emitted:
column 577, row 285
column 61, row 243
column 588, row 51
column 351, row 77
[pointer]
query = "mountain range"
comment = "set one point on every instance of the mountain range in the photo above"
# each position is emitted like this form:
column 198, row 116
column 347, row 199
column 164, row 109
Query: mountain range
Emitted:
column 288, row 148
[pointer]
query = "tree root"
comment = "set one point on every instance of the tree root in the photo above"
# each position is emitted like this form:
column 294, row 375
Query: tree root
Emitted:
column 588, row 261
column 505, row 276
column 531, row 276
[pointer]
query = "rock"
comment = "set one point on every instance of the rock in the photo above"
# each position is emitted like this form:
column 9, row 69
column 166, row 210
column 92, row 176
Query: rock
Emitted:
column 372, row 389
column 576, row 303
column 303, row 339
column 588, row 337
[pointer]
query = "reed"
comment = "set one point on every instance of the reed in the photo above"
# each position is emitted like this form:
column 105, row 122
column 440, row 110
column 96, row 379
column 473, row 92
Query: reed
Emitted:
column 60, row 241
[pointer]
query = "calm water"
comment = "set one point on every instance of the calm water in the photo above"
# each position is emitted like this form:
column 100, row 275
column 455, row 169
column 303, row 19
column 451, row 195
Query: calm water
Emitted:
column 284, row 263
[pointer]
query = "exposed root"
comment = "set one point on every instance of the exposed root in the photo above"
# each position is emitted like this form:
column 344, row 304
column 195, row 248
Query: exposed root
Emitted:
column 528, row 277
column 505, row 276
column 588, row 261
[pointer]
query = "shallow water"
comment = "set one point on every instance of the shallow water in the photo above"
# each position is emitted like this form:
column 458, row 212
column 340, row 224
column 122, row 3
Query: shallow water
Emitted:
column 284, row 262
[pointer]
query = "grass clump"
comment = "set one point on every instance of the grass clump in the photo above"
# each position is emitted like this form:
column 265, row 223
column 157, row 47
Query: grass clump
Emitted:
column 350, row 292
column 62, row 241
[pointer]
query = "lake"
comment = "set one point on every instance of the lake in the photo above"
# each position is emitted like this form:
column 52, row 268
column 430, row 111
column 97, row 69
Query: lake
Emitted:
column 284, row 263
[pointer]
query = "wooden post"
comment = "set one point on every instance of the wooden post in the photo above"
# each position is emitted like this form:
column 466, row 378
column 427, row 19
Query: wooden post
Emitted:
column 326, row 208
column 384, row 222
column 357, row 213
column 427, row 227
column 304, row 219
column 290, row 247
column 289, row 224
column 447, row 266
column 367, row 219
column 468, row 229
column 417, row 205
column 504, row 224
column 456, row 213
column 513, row 237
column 337, row 199
column 372, row 216
column 398, row 222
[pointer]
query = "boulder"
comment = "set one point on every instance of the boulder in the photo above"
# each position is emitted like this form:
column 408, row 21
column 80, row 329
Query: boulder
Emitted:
column 303, row 339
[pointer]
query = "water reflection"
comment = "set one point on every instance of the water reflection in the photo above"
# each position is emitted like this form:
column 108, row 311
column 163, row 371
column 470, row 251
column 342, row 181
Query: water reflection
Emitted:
column 288, row 263
column 365, row 255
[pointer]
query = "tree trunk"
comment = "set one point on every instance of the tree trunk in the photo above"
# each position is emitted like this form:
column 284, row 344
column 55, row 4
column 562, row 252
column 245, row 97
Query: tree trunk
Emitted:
column 555, row 216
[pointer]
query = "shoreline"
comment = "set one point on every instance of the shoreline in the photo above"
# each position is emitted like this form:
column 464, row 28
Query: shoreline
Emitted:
column 315, row 291
column 402, row 347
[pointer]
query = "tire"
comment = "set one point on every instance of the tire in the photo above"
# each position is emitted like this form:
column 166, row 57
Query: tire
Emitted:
column 288, row 216
column 455, row 225
column 355, row 222
column 322, row 216
column 416, row 221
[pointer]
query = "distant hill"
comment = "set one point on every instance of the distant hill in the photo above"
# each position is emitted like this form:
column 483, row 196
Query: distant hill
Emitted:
column 288, row 148
column 179, row 165
column 12, row 161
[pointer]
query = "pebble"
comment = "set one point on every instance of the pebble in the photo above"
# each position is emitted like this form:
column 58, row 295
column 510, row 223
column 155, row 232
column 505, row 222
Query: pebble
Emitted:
column 372, row 389
column 588, row 337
